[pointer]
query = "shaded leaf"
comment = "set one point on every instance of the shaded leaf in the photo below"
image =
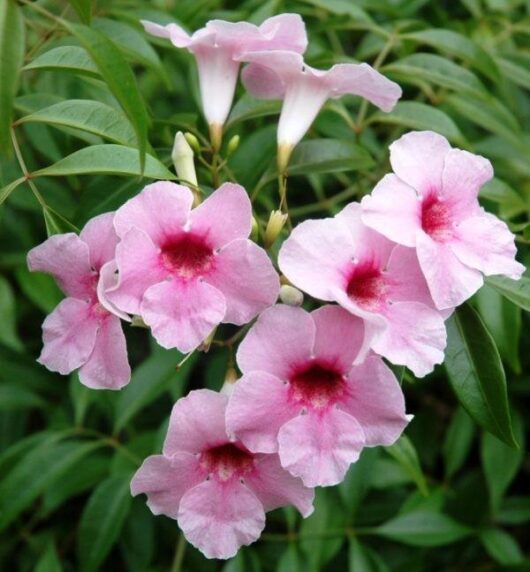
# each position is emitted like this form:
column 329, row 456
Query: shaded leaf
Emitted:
column 458, row 441
column 364, row 559
column 40, row 288
column 501, row 546
column 405, row 454
column 66, row 58
column 83, row 9
column 517, row 291
column 8, row 329
column 249, row 107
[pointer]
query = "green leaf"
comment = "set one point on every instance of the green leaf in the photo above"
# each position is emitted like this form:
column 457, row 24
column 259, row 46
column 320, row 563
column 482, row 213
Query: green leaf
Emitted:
column 56, row 223
column 363, row 559
column 341, row 8
column 423, row 528
column 501, row 546
column 8, row 329
column 437, row 70
column 66, row 58
column 14, row 396
column 476, row 374
column 102, row 521
column 86, row 115
column 83, row 9
column 49, row 561
column 404, row 452
column 514, row 510
column 9, row 188
column 357, row 481
column 40, row 288
column 414, row 115
column 517, row 291
column 458, row 441
column 518, row 74
column 290, row 560
column 119, row 78
column 455, row 44
column 37, row 471
column 107, row 160
column 249, row 107
column 12, row 42
column 510, row 202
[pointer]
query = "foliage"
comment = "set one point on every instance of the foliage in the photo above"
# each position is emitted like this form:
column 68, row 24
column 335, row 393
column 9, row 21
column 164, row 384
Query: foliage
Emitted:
column 95, row 107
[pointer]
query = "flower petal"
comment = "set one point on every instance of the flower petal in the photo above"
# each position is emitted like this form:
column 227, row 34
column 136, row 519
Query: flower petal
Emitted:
column 257, row 409
column 69, row 335
column 108, row 364
column 247, row 279
column 319, row 448
column 187, row 429
column 263, row 82
column 417, row 158
column 220, row 518
column 179, row 38
column 182, row 314
column 281, row 339
column 108, row 280
column 101, row 238
column 283, row 32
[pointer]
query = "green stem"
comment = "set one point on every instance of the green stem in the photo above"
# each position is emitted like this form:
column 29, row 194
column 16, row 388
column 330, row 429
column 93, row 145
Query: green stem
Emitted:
column 179, row 554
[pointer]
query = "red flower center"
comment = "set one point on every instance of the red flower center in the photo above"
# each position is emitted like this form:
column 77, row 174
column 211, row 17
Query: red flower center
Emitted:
column 436, row 218
column 227, row 461
column 316, row 385
column 187, row 256
column 367, row 287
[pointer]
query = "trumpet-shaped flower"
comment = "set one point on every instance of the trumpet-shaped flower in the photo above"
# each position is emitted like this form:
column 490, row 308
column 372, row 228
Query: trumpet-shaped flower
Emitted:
column 83, row 330
column 284, row 75
column 340, row 259
column 431, row 204
column 217, row 47
column 216, row 489
column 302, row 395
column 185, row 271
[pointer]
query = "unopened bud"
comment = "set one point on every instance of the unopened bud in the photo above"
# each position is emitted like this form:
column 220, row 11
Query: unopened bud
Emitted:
column 137, row 322
column 182, row 156
column 216, row 136
column 193, row 141
column 274, row 227
column 284, row 154
column 230, row 379
column 254, row 232
column 233, row 144
column 291, row 296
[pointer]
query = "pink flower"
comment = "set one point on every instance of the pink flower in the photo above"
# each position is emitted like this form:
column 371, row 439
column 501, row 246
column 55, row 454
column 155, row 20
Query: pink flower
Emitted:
column 186, row 271
column 81, row 332
column 304, row 90
column 215, row 488
column 431, row 204
column 217, row 47
column 302, row 395
column 343, row 261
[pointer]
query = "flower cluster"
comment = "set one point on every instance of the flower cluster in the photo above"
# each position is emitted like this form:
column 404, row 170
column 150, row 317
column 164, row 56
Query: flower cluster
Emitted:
column 314, row 389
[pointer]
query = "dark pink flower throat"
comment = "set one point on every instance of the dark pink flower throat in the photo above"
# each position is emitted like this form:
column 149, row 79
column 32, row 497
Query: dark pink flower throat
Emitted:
column 316, row 384
column 436, row 218
column 187, row 256
column 226, row 461
column 367, row 286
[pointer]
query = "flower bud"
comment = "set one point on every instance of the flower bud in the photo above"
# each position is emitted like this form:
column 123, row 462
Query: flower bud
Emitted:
column 193, row 141
column 274, row 227
column 291, row 296
column 182, row 156
column 230, row 379
column 233, row 144
column 138, row 322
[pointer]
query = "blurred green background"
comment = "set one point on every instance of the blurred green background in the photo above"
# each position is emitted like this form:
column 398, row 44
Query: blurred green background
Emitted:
column 448, row 496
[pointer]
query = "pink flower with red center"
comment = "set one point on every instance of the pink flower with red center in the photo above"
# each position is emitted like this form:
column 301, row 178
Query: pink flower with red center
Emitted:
column 341, row 260
column 215, row 488
column 185, row 271
column 217, row 46
column 431, row 204
column 84, row 331
column 304, row 90
column 303, row 395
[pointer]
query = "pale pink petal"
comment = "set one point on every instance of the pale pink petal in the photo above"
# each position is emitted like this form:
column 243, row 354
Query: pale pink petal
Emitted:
column 275, row 487
column 224, row 216
column 319, row 447
column 108, row 280
column 165, row 479
column 415, row 336
column 263, row 82
column 182, row 314
column 313, row 257
column 69, row 336
column 377, row 402
column 365, row 81
column 179, row 38
column 283, row 32
column 101, row 238
column 463, row 175
column 285, row 63
column 450, row 281
column 108, row 364
column 247, row 279
column 486, row 243
column 219, row 518
column 417, row 158
column 138, row 261
column 197, row 423
column 257, row 409
column 393, row 209
column 281, row 339
column 339, row 336
column 160, row 210
column 67, row 259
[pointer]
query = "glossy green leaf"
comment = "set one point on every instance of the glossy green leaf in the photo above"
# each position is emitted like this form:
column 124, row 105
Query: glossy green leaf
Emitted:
column 12, row 40
column 423, row 528
column 458, row 441
column 518, row 73
column 404, row 452
column 49, row 561
column 8, row 329
column 108, row 160
column 65, row 58
column 364, row 559
column 83, row 9
column 517, row 291
column 40, row 288
column 514, row 510
column 102, row 521
column 9, row 188
column 56, row 223
column 414, row 115
column 476, row 374
column 250, row 108
column 342, row 8
column 357, row 482
column 502, row 547
column 509, row 201
column 119, row 78
column 91, row 116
